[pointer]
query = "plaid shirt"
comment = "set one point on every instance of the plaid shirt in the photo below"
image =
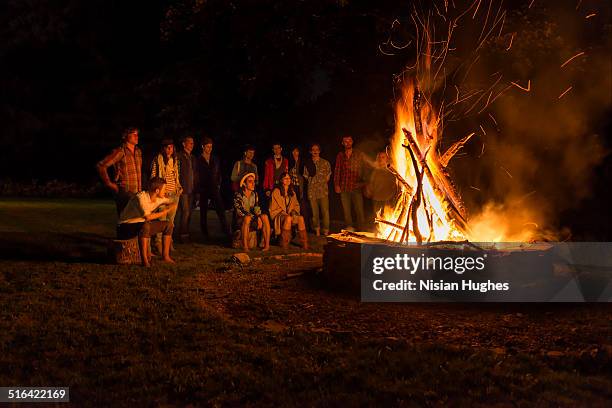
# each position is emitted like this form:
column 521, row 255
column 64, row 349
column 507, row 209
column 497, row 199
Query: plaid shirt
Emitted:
column 128, row 167
column 347, row 174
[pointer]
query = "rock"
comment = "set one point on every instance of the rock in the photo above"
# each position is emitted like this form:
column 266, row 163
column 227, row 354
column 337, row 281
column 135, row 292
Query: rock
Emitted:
column 241, row 258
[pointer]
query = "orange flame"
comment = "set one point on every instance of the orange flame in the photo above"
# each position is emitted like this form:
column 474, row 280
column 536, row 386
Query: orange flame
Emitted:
column 433, row 216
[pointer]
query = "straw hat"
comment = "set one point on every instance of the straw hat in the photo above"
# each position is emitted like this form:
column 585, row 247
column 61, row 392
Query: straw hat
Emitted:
column 246, row 176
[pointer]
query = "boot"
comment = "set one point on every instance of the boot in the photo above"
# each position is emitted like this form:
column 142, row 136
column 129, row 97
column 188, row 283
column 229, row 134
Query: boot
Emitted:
column 285, row 238
column 303, row 238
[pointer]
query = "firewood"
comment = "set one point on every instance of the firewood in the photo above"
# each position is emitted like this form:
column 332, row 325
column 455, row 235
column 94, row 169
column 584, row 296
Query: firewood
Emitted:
column 451, row 151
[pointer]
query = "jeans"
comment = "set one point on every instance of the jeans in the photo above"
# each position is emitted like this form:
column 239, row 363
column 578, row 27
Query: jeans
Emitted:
column 184, row 210
column 215, row 195
column 321, row 204
column 357, row 198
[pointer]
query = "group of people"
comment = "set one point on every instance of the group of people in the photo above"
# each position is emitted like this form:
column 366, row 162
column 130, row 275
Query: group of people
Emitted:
column 295, row 192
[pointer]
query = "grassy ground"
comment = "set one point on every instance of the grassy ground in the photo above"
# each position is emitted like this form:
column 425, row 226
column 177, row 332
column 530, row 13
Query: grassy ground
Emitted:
column 209, row 332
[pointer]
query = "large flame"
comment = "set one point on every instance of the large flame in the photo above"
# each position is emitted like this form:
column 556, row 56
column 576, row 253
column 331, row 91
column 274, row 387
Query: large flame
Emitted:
column 439, row 200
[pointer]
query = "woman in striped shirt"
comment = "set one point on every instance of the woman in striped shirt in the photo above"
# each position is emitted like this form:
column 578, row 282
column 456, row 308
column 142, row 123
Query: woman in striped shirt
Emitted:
column 165, row 166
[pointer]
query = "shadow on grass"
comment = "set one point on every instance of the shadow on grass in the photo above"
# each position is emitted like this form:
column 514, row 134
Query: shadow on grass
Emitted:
column 54, row 247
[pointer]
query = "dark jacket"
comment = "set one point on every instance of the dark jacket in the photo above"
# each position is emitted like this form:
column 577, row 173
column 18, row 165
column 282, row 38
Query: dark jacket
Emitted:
column 187, row 172
column 209, row 174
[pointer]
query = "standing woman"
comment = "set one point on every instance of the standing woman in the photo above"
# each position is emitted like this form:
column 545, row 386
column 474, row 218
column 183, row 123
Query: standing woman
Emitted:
column 165, row 166
column 285, row 212
column 296, row 170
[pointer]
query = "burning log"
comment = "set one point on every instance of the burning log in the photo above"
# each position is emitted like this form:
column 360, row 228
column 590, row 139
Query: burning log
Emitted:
column 389, row 223
column 440, row 182
column 416, row 199
column 450, row 153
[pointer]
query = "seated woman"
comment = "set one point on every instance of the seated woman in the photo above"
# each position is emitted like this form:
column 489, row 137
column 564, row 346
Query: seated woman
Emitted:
column 139, row 217
column 247, row 213
column 285, row 212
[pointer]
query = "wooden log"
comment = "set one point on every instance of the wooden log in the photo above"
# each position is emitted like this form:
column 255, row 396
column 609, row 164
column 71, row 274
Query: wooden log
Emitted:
column 441, row 184
column 452, row 151
column 124, row 251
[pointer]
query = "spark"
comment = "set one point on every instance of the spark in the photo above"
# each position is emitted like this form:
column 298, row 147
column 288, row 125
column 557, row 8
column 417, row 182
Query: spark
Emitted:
column 591, row 15
column 578, row 4
column 570, row 60
column 475, row 188
column 501, row 93
column 493, row 119
column 483, row 131
column 482, row 151
column 531, row 223
column 564, row 92
column 524, row 89
column 507, row 172
column 477, row 7
column 510, row 45
column 531, row 4
column 381, row 50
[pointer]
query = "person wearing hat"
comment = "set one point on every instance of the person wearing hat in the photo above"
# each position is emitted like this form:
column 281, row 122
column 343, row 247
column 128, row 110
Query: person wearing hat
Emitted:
column 165, row 166
column 209, row 187
column 247, row 213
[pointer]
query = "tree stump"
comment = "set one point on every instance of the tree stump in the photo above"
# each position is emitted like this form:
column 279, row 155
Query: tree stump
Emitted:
column 124, row 251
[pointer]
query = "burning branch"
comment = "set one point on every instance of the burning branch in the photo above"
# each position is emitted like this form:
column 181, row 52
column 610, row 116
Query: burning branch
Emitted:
column 454, row 149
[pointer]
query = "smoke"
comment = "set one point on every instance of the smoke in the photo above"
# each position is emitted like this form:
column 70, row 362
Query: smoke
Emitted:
column 536, row 152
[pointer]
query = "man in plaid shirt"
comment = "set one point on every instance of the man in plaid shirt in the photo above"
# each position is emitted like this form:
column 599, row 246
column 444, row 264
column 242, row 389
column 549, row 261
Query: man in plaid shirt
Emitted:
column 347, row 182
column 127, row 163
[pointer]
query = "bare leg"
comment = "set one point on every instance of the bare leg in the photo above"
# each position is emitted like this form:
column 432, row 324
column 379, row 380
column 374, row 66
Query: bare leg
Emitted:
column 301, row 223
column 144, row 250
column 245, row 233
column 166, row 243
column 266, row 232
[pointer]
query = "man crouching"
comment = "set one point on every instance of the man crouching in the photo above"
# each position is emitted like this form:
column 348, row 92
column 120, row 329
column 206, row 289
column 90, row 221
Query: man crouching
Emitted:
column 139, row 217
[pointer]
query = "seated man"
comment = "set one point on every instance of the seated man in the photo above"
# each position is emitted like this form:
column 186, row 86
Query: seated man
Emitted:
column 247, row 213
column 285, row 212
column 138, row 218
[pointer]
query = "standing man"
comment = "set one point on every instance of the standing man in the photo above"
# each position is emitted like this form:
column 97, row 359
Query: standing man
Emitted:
column 209, row 187
column 273, row 168
column 127, row 163
column 187, row 176
column 318, row 173
column 244, row 166
column 382, row 186
column 347, row 182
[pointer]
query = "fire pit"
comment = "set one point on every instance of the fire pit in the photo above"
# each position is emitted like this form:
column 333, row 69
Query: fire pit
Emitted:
column 530, row 265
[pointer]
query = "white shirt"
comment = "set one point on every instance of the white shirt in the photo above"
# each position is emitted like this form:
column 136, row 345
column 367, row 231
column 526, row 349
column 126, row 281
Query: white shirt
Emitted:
column 140, row 206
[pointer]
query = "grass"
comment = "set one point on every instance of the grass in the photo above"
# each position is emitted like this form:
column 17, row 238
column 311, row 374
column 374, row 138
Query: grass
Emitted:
column 209, row 332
